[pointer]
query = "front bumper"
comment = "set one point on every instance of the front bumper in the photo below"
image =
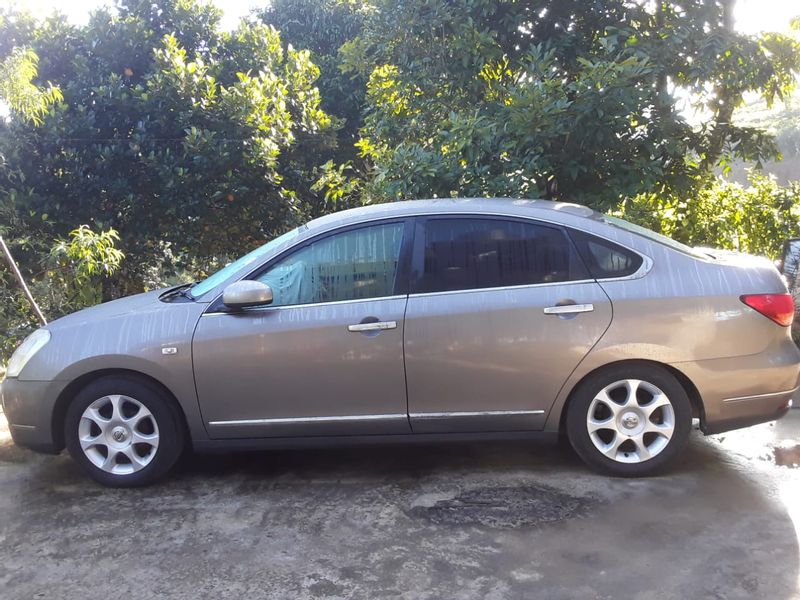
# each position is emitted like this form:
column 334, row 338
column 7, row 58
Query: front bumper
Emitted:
column 28, row 407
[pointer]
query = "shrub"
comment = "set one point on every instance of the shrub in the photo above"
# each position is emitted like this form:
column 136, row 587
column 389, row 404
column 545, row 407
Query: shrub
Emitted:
column 755, row 219
column 71, row 277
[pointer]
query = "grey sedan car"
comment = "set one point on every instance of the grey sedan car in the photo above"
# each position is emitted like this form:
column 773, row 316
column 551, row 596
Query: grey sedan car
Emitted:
column 422, row 320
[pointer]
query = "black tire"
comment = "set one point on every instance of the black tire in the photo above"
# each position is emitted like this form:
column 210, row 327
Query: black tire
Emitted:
column 581, row 401
column 163, row 411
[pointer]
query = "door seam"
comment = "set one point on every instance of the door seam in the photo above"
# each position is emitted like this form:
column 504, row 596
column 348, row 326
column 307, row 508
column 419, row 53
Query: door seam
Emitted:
column 405, row 370
column 585, row 356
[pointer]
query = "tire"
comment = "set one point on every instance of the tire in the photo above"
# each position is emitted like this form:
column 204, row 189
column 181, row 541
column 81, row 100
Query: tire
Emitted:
column 633, row 434
column 131, row 430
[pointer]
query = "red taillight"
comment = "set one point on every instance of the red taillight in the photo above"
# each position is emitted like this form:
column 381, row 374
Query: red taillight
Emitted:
column 778, row 307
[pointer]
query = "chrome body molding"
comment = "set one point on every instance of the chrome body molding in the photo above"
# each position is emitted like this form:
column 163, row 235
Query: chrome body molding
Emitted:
column 351, row 418
column 523, row 286
column 483, row 413
column 303, row 420
column 258, row 309
column 760, row 396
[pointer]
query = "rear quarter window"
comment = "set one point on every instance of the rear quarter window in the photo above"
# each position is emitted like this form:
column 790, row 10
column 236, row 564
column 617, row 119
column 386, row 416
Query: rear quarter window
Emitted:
column 604, row 258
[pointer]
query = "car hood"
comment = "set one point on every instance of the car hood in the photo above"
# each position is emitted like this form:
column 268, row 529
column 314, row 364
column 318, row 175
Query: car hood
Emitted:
column 112, row 308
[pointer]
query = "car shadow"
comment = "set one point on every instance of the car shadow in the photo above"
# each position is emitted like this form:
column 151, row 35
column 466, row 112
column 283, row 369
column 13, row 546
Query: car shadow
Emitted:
column 385, row 461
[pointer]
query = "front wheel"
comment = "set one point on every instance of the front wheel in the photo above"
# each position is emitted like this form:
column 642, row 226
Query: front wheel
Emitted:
column 629, row 420
column 123, row 431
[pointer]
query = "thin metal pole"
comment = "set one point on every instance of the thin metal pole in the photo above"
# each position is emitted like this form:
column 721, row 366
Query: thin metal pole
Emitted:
column 22, row 284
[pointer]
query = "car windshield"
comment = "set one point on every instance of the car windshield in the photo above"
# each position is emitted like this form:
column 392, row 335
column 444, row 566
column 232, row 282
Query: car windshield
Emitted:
column 652, row 235
column 225, row 272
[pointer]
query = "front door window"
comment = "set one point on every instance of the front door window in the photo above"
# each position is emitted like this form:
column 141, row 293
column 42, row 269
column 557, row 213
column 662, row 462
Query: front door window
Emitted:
column 358, row 264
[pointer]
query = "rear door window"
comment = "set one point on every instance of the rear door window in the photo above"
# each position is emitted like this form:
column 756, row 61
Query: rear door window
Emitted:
column 479, row 253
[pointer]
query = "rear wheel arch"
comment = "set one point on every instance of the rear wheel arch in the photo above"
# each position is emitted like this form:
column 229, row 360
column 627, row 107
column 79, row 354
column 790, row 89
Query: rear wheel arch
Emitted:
column 76, row 385
column 629, row 419
column 691, row 390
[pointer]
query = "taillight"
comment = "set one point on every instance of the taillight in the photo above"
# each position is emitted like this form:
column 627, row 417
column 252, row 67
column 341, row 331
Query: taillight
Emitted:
column 778, row 307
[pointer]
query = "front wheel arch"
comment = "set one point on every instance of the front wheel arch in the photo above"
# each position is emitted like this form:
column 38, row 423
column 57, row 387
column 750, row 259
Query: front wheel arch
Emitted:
column 76, row 385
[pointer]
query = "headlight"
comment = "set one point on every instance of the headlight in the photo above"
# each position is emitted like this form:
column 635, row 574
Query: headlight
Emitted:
column 32, row 344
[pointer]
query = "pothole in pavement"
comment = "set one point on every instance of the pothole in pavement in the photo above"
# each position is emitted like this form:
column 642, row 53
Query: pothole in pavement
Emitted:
column 787, row 454
column 501, row 507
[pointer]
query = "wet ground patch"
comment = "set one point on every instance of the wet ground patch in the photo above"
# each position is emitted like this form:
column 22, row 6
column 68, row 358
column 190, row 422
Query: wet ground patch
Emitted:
column 501, row 507
column 9, row 453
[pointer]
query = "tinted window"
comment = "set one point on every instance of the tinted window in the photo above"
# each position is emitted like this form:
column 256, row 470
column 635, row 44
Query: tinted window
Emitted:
column 462, row 254
column 352, row 265
column 604, row 258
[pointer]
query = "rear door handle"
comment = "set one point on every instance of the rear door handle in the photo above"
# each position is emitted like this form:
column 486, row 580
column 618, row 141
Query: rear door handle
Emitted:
column 379, row 326
column 568, row 309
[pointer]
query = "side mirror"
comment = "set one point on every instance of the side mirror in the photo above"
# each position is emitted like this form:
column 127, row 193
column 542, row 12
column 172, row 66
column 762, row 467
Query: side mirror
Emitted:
column 246, row 293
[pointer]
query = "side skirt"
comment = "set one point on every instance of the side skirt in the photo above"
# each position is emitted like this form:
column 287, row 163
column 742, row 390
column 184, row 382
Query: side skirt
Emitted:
column 232, row 445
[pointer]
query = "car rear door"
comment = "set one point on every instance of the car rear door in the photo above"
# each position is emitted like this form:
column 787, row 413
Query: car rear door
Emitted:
column 502, row 310
column 326, row 357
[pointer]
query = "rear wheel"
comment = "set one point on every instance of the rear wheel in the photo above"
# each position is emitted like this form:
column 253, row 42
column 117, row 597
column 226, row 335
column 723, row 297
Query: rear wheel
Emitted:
column 629, row 420
column 124, row 431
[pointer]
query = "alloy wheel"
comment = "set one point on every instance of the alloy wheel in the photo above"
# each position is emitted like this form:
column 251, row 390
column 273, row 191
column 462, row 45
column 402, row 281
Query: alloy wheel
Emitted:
column 630, row 421
column 118, row 434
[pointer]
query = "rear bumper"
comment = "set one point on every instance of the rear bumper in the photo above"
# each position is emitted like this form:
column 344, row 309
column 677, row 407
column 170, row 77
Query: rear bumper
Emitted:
column 745, row 390
column 28, row 407
column 744, row 412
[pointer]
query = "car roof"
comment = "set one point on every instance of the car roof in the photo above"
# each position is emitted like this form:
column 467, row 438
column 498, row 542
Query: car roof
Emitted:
column 544, row 209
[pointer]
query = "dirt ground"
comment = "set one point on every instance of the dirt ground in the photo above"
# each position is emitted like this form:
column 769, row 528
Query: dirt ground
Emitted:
column 483, row 520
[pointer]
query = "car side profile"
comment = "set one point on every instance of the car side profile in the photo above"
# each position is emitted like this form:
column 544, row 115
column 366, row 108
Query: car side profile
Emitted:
column 420, row 320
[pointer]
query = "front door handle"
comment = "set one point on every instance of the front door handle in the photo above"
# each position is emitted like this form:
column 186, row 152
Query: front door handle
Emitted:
column 568, row 309
column 377, row 326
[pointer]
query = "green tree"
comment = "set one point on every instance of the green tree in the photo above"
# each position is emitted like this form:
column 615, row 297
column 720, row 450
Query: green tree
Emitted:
column 323, row 27
column 193, row 144
column 565, row 98
column 17, row 72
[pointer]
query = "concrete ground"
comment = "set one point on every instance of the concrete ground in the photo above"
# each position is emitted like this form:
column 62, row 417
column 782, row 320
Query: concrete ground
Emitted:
column 483, row 520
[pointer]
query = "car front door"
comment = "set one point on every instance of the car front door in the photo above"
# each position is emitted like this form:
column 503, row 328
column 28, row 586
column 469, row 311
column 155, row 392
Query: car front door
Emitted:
column 501, row 312
column 326, row 356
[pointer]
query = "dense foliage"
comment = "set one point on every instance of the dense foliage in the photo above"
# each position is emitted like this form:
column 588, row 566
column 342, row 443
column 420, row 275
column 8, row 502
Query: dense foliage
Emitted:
column 190, row 142
column 756, row 218
column 559, row 97
column 322, row 27
column 152, row 132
